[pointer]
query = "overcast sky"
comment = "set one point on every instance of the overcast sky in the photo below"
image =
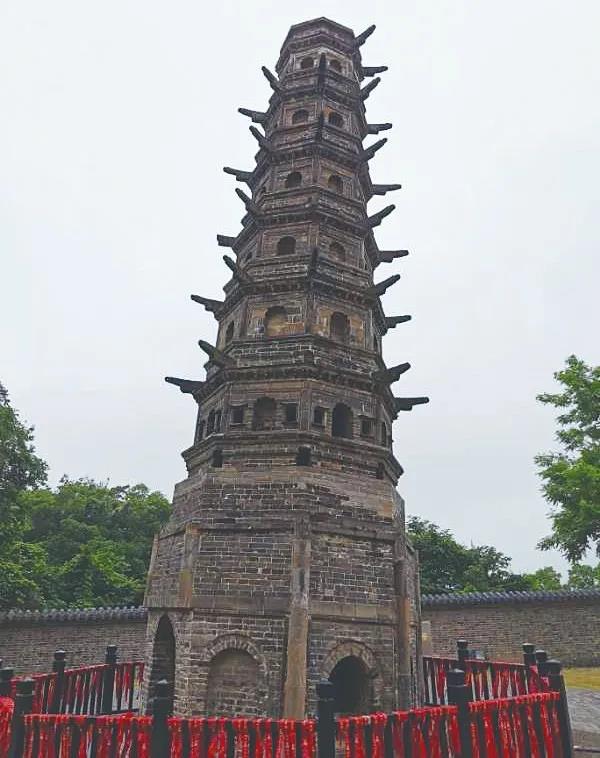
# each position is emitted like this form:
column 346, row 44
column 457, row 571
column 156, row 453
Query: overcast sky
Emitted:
column 116, row 119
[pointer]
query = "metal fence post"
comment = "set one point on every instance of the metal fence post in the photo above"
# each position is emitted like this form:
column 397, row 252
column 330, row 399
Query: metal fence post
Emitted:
column 325, row 720
column 459, row 694
column 23, row 705
column 161, row 710
column 108, row 679
column 541, row 659
column 58, row 667
column 6, row 675
column 557, row 683
column 528, row 654
column 462, row 653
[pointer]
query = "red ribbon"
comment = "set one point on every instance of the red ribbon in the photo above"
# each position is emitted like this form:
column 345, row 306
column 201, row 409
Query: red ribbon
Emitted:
column 7, row 706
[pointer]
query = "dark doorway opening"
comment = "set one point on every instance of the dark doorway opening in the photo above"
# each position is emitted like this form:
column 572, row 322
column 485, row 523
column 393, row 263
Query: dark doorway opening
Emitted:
column 352, row 686
column 163, row 656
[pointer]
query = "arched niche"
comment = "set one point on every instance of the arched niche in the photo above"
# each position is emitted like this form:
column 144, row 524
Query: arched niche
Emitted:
column 265, row 412
column 233, row 684
column 342, row 421
column 275, row 321
column 339, row 327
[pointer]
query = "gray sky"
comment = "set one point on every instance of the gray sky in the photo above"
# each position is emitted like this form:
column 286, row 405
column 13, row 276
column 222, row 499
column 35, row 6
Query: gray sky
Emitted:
column 117, row 117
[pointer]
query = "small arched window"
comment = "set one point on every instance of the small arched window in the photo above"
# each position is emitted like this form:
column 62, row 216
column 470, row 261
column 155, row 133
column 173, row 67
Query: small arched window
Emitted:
column 286, row 246
column 335, row 65
column 375, row 343
column 335, row 119
column 217, row 458
column 339, row 327
column 303, row 456
column 300, row 117
column 380, row 471
column 265, row 411
column 337, row 251
column 210, row 423
column 335, row 183
column 341, row 421
column 307, row 62
column 384, row 434
column 248, row 256
column 319, row 416
column 293, row 180
column 275, row 321
column 229, row 332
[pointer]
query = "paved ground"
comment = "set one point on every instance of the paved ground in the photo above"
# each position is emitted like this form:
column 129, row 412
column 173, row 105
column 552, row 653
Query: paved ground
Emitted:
column 584, row 706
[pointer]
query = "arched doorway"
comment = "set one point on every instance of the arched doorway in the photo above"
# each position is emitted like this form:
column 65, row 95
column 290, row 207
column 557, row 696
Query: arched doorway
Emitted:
column 352, row 686
column 163, row 656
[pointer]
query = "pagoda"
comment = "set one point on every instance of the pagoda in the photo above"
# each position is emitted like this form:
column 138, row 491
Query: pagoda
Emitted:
column 285, row 560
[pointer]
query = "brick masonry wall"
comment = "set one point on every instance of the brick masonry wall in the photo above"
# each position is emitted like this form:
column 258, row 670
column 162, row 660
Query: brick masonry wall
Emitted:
column 28, row 646
column 569, row 629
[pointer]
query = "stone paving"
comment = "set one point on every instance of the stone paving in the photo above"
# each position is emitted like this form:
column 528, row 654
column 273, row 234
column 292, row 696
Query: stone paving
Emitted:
column 584, row 706
column 585, row 709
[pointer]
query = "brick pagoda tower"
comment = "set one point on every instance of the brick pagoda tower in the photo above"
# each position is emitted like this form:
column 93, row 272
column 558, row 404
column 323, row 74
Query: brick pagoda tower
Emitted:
column 285, row 560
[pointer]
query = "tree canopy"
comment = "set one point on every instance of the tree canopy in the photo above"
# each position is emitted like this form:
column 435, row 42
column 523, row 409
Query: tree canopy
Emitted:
column 571, row 477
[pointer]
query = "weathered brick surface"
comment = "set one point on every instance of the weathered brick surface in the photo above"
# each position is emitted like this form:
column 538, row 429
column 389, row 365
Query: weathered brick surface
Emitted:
column 569, row 629
column 28, row 647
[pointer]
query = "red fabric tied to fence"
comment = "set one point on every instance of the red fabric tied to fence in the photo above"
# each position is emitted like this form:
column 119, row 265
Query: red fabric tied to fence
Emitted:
column 66, row 736
column 82, row 690
column 422, row 733
column 220, row 737
column 525, row 726
column 7, row 706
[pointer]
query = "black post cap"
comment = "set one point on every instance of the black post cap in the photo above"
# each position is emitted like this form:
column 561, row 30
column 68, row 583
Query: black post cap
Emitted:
column 528, row 648
column 60, row 655
column 553, row 667
column 541, row 656
column 6, row 673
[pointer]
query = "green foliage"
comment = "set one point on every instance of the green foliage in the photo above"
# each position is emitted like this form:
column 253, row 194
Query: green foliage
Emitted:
column 571, row 478
column 546, row 578
column 448, row 566
column 20, row 468
column 81, row 544
column 582, row 576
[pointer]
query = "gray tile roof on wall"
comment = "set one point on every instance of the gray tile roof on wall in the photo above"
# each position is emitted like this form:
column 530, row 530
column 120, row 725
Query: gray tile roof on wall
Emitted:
column 81, row 615
column 139, row 613
column 509, row 598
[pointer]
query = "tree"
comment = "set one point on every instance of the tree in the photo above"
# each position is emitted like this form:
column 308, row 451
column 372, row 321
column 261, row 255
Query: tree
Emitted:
column 448, row 566
column 571, row 478
column 97, row 539
column 546, row 578
column 81, row 544
column 20, row 468
column 582, row 576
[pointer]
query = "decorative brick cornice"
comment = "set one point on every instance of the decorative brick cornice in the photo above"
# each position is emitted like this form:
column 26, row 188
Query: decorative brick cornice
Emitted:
column 458, row 599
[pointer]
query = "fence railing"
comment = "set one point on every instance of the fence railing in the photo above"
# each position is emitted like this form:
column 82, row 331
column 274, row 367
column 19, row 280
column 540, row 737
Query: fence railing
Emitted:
column 489, row 680
column 526, row 726
column 108, row 688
